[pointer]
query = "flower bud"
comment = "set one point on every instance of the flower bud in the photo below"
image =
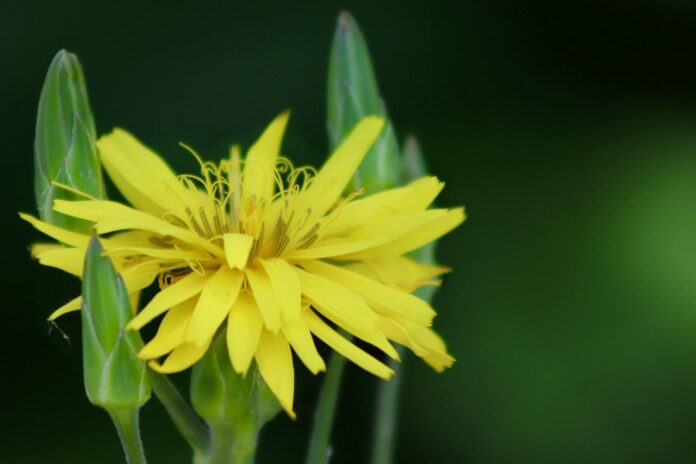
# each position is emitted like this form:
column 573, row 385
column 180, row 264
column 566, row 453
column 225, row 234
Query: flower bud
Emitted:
column 352, row 95
column 64, row 145
column 219, row 394
column 236, row 407
column 114, row 376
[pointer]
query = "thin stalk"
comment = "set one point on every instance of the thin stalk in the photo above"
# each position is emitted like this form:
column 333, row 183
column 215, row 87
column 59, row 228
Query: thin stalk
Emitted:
column 128, row 427
column 386, row 413
column 387, row 407
column 323, row 420
column 187, row 422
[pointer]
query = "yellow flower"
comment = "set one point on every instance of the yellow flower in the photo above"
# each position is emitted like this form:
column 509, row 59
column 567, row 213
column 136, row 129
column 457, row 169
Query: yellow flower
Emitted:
column 272, row 253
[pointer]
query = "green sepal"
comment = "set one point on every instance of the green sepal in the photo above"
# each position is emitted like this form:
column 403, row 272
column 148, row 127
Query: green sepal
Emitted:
column 353, row 94
column 114, row 376
column 64, row 144
column 235, row 407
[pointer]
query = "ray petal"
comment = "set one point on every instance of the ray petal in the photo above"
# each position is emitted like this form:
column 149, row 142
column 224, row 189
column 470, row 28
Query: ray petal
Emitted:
column 265, row 297
column 183, row 357
column 142, row 176
column 62, row 235
column 170, row 333
column 300, row 339
column 258, row 177
column 274, row 359
column 345, row 308
column 214, row 304
column 73, row 305
column 344, row 347
column 244, row 326
column 334, row 176
column 176, row 293
column 286, row 285
column 379, row 296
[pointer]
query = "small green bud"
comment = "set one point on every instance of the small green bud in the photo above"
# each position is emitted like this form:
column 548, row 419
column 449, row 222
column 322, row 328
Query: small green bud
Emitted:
column 64, row 147
column 236, row 407
column 114, row 376
column 219, row 394
column 352, row 95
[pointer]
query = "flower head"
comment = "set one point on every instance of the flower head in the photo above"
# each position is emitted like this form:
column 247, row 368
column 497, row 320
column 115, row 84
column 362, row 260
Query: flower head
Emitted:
column 272, row 254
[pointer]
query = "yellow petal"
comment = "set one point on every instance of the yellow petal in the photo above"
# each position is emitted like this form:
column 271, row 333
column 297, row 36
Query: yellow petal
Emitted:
column 170, row 333
column 286, row 285
column 172, row 254
column 259, row 168
column 62, row 235
column 274, row 359
column 141, row 275
column 142, row 177
column 399, row 271
column 413, row 239
column 414, row 197
column 423, row 341
column 334, row 176
column 300, row 339
column 237, row 249
column 136, row 238
column 345, row 308
column 35, row 249
column 244, row 327
column 376, row 235
column 72, row 305
column 337, row 247
column 344, row 347
column 265, row 297
column 134, row 299
column 110, row 216
column 214, row 304
column 69, row 260
column 183, row 357
column 178, row 292
column 380, row 297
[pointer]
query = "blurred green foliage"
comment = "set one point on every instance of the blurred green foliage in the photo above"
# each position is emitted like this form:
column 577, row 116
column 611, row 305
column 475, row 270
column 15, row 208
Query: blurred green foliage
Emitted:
column 568, row 130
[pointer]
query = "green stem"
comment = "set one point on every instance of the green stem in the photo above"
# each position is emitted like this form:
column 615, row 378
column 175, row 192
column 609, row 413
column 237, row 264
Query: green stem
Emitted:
column 386, row 414
column 128, row 427
column 323, row 420
column 187, row 422
column 229, row 444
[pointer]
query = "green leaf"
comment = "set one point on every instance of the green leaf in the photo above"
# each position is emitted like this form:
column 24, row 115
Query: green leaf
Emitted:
column 64, row 147
column 114, row 376
column 352, row 95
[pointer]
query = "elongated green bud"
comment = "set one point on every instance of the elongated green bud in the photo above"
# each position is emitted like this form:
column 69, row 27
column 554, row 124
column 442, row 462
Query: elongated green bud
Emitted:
column 235, row 407
column 353, row 94
column 64, row 147
column 114, row 376
column 413, row 165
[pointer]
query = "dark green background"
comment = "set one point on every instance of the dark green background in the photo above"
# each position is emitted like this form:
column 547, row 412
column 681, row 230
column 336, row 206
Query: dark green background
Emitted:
column 568, row 130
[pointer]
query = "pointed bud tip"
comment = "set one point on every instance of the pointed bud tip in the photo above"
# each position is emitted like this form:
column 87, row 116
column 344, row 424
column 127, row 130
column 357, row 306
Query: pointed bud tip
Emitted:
column 346, row 21
column 65, row 58
column 94, row 245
